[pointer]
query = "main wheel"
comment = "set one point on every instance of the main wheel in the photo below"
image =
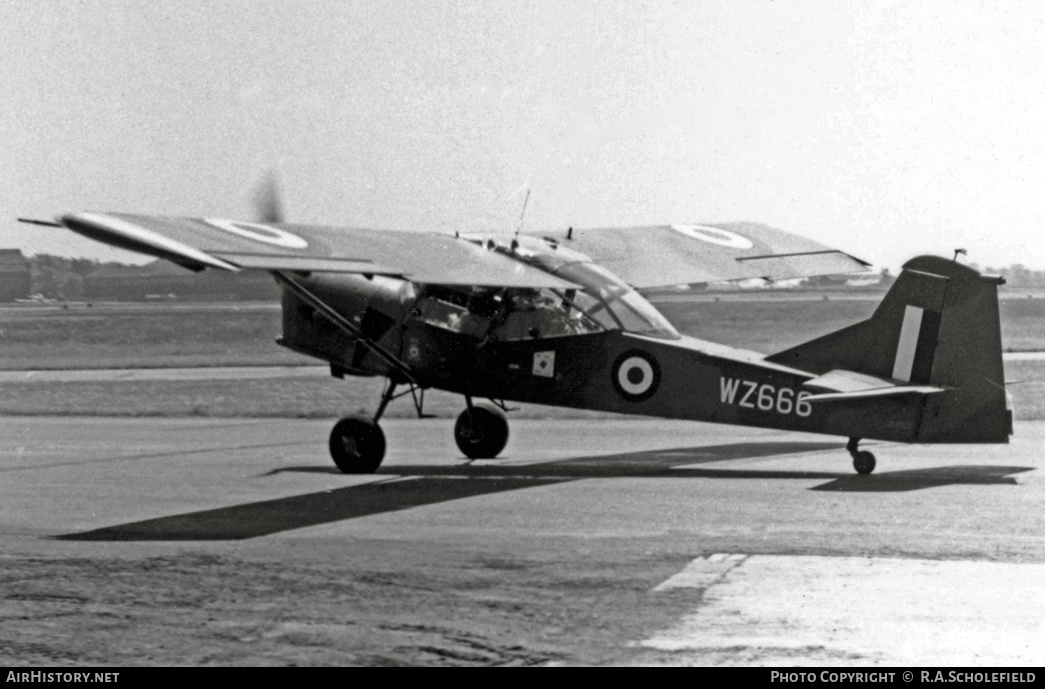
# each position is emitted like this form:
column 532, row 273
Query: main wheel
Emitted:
column 481, row 431
column 357, row 445
column 863, row 462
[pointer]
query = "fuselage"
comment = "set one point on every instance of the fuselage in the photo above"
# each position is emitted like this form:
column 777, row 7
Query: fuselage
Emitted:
column 600, row 346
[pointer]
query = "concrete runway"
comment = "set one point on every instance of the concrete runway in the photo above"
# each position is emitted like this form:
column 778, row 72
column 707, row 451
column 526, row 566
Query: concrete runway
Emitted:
column 227, row 542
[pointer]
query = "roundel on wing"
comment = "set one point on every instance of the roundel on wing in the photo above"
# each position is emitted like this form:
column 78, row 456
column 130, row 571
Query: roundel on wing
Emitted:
column 714, row 235
column 259, row 233
column 636, row 375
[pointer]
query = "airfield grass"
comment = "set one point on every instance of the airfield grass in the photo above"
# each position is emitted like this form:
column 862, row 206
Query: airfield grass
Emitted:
column 79, row 336
column 176, row 335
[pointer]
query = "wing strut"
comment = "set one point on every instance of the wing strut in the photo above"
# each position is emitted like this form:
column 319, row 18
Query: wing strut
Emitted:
column 343, row 324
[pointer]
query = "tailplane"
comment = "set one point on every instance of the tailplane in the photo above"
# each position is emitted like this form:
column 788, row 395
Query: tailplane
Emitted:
column 936, row 331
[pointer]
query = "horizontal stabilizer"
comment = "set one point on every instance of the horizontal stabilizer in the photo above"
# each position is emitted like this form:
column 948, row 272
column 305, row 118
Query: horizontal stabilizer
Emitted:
column 893, row 391
column 838, row 385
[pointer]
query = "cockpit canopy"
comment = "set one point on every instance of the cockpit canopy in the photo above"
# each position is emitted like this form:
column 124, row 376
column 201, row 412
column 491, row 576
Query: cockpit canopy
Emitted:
column 603, row 302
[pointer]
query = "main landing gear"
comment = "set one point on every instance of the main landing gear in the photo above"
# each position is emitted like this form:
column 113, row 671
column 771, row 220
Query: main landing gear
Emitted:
column 357, row 443
column 863, row 461
column 481, row 431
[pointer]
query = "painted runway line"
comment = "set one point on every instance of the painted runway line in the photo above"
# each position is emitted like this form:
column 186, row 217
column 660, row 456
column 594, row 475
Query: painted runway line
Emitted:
column 702, row 572
column 872, row 610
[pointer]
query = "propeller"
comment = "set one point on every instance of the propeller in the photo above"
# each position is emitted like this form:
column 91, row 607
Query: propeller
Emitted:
column 268, row 199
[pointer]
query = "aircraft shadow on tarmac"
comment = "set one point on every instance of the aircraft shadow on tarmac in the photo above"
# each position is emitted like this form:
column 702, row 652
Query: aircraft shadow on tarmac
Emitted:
column 408, row 486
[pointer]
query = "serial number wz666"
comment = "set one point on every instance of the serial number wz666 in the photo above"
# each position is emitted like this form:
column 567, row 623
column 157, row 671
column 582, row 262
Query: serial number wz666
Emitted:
column 764, row 397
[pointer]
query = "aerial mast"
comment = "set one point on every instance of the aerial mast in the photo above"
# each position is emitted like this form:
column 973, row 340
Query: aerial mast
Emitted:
column 522, row 216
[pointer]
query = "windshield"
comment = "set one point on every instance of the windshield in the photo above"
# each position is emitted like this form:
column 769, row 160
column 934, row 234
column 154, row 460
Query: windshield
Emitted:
column 613, row 303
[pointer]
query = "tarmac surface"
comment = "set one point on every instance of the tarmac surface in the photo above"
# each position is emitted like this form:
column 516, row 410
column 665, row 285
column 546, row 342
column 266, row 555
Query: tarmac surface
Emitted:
column 236, row 542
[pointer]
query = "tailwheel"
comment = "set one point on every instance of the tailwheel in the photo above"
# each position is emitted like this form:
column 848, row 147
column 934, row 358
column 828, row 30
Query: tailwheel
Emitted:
column 357, row 445
column 863, row 462
column 481, row 431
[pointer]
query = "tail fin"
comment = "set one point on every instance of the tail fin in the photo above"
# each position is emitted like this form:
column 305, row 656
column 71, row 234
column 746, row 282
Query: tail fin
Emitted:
column 938, row 325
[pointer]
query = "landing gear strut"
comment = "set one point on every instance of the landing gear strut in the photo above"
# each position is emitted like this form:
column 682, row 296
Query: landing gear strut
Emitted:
column 357, row 443
column 481, row 431
column 863, row 461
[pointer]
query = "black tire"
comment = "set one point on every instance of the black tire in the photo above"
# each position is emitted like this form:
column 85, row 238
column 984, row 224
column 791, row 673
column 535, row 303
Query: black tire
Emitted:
column 863, row 462
column 357, row 445
column 481, row 432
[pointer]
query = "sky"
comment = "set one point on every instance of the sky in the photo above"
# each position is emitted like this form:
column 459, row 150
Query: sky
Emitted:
column 885, row 129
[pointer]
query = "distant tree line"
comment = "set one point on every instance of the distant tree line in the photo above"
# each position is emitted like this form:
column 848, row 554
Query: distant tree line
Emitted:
column 57, row 277
column 82, row 279
column 1019, row 276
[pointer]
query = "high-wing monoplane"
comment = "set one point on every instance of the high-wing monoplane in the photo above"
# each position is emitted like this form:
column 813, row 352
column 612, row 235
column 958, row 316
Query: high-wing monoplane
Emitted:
column 559, row 320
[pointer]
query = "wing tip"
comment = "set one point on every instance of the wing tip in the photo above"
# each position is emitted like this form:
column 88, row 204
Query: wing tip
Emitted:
column 123, row 234
column 42, row 223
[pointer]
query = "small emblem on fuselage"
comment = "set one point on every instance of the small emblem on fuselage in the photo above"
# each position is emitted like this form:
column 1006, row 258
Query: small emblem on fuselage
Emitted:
column 544, row 364
column 413, row 350
column 636, row 375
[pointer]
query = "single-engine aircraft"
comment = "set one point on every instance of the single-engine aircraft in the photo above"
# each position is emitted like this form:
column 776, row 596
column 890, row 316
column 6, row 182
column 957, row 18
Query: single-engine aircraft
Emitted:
column 558, row 320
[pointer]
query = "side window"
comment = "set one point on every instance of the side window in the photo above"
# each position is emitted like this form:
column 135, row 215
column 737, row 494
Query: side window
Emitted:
column 438, row 312
column 530, row 314
column 455, row 311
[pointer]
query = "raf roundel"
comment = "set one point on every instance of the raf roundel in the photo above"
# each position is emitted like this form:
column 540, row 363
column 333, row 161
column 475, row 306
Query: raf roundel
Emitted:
column 259, row 233
column 636, row 375
column 714, row 235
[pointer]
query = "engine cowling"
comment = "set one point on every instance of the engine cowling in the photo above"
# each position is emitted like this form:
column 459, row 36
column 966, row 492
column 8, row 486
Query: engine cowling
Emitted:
column 375, row 305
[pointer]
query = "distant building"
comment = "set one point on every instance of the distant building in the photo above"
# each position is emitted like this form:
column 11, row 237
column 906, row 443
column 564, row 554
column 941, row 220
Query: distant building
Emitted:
column 14, row 275
column 161, row 280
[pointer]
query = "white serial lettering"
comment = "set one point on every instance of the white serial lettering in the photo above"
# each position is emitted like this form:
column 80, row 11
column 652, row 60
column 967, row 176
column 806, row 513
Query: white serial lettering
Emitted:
column 750, row 388
column 729, row 387
column 766, row 397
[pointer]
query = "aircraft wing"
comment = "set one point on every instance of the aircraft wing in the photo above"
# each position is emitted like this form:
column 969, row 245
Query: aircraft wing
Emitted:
column 199, row 243
column 664, row 255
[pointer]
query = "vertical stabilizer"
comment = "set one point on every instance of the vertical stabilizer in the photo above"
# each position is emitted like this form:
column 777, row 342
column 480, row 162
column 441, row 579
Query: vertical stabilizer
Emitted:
column 938, row 325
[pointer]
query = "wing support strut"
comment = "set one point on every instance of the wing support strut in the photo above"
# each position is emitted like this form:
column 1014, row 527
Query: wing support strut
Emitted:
column 344, row 325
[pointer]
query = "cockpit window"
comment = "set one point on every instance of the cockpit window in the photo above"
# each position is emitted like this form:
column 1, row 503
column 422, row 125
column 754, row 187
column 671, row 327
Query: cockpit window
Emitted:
column 505, row 314
column 604, row 301
column 468, row 310
column 531, row 313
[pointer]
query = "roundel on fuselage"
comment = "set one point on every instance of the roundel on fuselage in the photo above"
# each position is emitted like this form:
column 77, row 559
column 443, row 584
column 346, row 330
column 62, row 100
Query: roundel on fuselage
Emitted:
column 636, row 375
column 259, row 233
column 714, row 235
